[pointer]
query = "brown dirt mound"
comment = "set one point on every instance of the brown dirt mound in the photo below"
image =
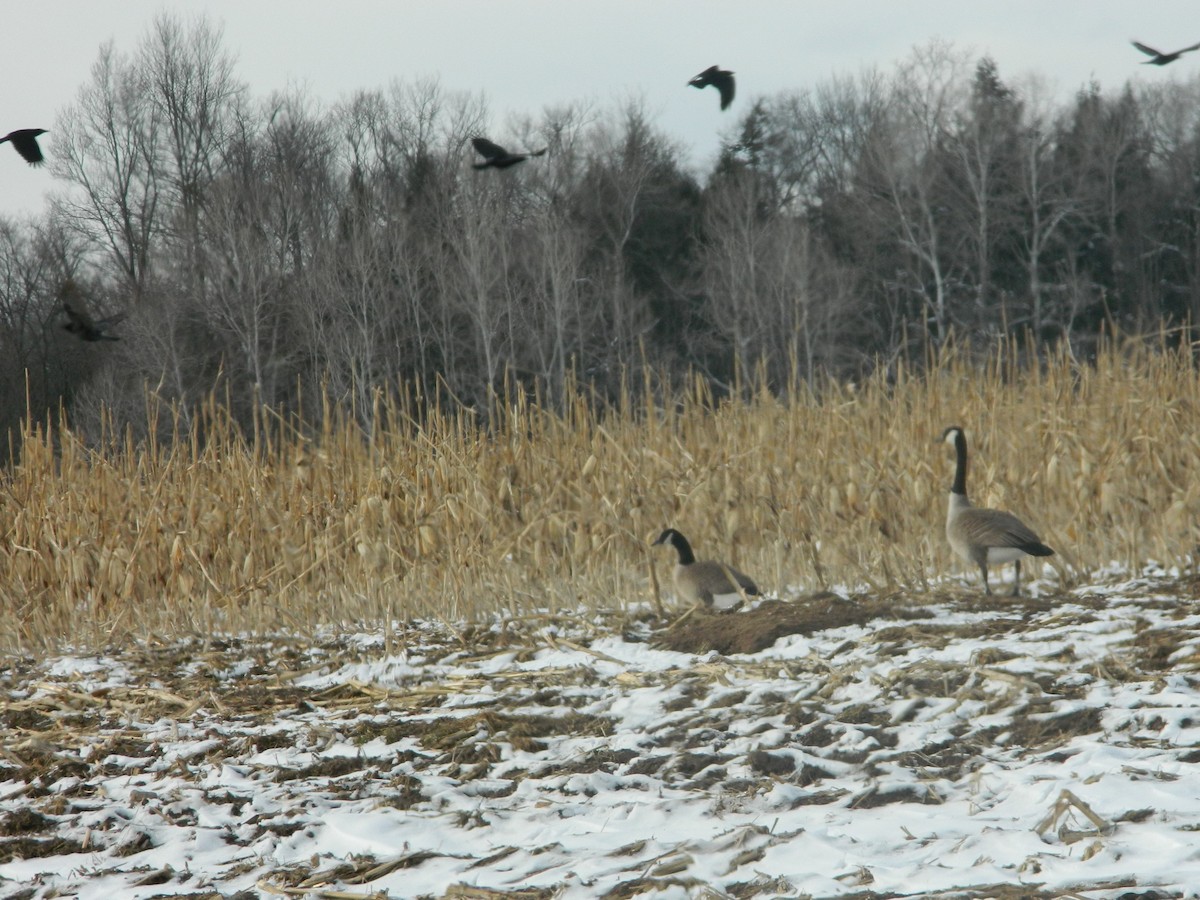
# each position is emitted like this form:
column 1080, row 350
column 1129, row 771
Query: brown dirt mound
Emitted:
column 760, row 627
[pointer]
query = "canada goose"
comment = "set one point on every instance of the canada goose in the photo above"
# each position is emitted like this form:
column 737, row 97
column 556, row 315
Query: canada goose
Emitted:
column 703, row 582
column 721, row 79
column 497, row 157
column 79, row 321
column 24, row 141
column 984, row 536
column 1160, row 58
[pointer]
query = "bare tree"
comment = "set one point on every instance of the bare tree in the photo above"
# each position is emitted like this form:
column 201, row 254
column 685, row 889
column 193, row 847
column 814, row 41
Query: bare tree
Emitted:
column 1045, row 203
column 107, row 149
column 983, row 147
column 26, row 372
column 736, row 253
column 629, row 162
column 1104, row 149
column 781, row 300
column 563, row 313
column 188, row 79
column 386, row 302
column 473, row 280
column 927, row 93
column 365, row 310
column 849, row 112
column 1172, row 118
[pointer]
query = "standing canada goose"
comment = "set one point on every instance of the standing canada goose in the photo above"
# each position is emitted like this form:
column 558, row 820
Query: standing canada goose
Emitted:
column 497, row 157
column 984, row 536
column 24, row 141
column 721, row 79
column 703, row 582
column 1160, row 58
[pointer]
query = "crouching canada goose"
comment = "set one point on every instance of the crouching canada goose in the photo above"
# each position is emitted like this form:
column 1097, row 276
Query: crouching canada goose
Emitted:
column 984, row 536
column 705, row 581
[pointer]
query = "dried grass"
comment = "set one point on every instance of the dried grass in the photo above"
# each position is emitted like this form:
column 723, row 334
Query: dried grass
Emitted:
column 224, row 532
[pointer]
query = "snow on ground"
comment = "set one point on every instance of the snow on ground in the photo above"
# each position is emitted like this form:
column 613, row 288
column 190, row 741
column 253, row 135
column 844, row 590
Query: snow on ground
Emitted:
column 909, row 746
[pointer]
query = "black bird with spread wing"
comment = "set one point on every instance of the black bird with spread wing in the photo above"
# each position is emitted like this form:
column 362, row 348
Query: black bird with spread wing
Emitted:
column 79, row 321
column 1160, row 58
column 496, row 157
column 24, row 140
column 721, row 79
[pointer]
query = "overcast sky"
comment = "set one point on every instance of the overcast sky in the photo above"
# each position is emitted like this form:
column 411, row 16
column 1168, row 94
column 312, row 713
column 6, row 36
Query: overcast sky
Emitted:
column 525, row 55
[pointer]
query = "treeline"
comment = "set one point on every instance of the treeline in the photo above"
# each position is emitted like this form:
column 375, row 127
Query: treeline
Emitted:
column 276, row 251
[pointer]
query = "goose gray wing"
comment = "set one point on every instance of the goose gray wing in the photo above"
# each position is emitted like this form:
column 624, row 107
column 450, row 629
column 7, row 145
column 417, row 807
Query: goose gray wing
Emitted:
column 996, row 528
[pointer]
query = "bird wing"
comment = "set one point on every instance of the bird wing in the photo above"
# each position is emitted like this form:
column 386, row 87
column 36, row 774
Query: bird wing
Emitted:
column 704, row 79
column 1188, row 49
column 75, row 310
column 745, row 582
column 724, row 83
column 24, row 141
column 996, row 528
column 1149, row 51
column 488, row 149
column 716, row 577
column 111, row 320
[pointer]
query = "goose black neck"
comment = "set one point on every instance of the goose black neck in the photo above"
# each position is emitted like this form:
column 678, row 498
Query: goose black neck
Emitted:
column 960, row 469
column 681, row 545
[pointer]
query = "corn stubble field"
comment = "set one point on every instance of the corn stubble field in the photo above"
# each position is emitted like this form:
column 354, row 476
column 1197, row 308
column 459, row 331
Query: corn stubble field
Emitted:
column 442, row 660
column 451, row 520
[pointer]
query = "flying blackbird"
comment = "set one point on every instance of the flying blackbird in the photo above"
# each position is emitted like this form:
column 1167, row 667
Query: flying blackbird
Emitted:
column 1160, row 58
column 25, row 142
column 721, row 79
column 497, row 157
column 79, row 321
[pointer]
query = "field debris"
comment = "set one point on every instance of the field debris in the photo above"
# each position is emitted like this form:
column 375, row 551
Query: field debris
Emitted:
column 1066, row 802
